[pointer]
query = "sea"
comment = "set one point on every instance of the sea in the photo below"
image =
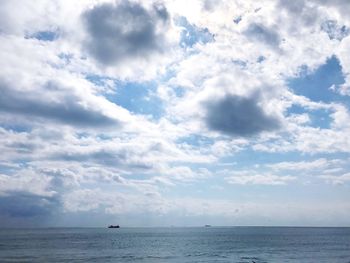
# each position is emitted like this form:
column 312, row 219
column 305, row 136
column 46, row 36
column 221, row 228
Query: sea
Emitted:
column 175, row 244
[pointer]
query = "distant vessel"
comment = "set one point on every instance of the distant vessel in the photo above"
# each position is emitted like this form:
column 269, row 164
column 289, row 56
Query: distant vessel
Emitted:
column 112, row 226
column 207, row 225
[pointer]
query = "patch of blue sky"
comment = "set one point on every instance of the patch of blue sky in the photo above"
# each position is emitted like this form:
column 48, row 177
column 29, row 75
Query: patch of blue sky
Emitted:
column 317, row 85
column 9, row 168
column 179, row 91
column 334, row 155
column 296, row 109
column 191, row 34
column 138, row 98
column 45, row 35
column 318, row 118
column 106, row 85
column 16, row 127
column 165, row 78
column 169, row 74
column 96, row 79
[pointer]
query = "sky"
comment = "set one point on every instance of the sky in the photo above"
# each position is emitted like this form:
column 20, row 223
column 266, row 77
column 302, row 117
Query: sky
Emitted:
column 174, row 113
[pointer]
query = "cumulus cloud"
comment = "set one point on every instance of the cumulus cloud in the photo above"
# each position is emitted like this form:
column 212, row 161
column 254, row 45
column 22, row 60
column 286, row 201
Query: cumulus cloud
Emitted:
column 125, row 30
column 239, row 116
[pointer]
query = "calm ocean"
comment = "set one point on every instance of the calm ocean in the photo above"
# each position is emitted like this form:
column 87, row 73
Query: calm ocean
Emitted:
column 211, row 244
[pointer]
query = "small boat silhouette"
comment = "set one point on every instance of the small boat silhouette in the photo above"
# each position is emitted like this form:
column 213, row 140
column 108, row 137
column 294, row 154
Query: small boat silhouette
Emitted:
column 112, row 226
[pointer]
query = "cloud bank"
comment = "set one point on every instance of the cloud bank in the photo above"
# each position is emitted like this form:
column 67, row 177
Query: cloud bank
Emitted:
column 181, row 111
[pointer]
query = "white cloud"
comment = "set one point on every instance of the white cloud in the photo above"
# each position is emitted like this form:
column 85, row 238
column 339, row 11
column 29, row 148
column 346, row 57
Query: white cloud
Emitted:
column 255, row 178
column 318, row 164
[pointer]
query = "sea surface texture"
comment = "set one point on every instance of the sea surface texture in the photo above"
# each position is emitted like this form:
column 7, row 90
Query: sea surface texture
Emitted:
column 206, row 244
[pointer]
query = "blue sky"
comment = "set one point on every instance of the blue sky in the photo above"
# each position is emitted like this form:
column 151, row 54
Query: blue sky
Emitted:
column 174, row 113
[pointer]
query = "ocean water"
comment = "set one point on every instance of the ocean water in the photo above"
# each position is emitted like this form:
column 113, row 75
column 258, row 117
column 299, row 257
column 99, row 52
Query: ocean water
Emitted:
column 211, row 244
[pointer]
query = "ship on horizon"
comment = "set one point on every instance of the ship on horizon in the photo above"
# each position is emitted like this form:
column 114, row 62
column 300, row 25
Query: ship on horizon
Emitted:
column 113, row 226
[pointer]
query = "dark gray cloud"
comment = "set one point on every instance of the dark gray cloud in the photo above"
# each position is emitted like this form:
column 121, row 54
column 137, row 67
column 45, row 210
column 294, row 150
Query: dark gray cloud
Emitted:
column 117, row 32
column 37, row 200
column 263, row 34
column 239, row 116
column 45, row 35
column 26, row 205
column 65, row 108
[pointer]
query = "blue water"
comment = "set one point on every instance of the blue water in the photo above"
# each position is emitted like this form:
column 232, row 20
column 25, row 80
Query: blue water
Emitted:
column 212, row 244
